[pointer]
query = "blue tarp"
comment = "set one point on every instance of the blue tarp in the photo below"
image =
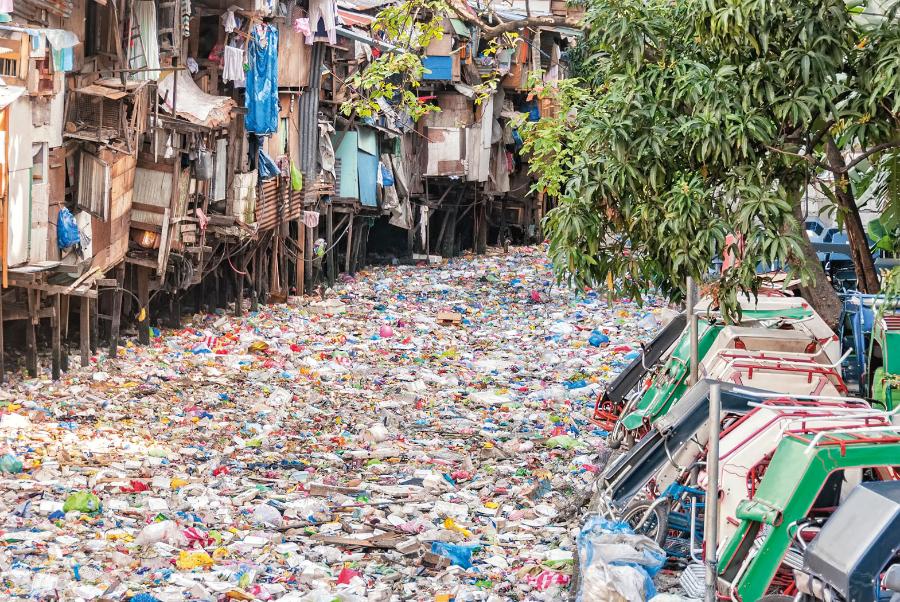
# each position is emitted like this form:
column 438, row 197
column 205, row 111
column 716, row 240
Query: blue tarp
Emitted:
column 368, row 174
column 262, row 81
column 441, row 67
column 67, row 233
column 267, row 167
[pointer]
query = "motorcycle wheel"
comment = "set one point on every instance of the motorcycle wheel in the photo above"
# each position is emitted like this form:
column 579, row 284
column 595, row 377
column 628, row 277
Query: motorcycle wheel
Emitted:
column 656, row 527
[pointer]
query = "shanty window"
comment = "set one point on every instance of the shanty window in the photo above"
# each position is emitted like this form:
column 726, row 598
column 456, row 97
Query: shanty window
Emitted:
column 93, row 186
column 9, row 67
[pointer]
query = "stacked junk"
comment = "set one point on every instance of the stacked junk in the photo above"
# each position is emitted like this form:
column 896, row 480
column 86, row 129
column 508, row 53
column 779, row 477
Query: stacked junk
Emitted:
column 795, row 429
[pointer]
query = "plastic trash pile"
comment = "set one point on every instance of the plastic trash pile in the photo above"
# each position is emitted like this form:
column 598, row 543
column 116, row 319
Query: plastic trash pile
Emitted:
column 419, row 434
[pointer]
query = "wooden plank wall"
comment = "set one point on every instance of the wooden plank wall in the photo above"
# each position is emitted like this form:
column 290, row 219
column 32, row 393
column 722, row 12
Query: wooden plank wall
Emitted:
column 115, row 232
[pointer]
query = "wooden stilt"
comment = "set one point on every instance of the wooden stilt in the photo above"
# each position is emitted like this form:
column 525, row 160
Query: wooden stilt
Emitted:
column 94, row 310
column 31, row 363
column 349, row 244
column 329, row 242
column 285, row 285
column 308, row 276
column 143, row 294
column 116, row 316
column 2, row 349
column 84, row 330
column 55, row 357
column 301, row 257
column 64, row 331
column 273, row 265
column 354, row 248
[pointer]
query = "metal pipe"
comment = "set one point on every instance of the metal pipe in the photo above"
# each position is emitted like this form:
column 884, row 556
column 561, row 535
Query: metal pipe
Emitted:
column 710, row 531
column 774, row 395
column 691, row 302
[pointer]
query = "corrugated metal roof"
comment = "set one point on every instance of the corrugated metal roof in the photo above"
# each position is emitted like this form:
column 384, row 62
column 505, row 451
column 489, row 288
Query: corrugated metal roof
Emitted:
column 364, row 4
column 352, row 19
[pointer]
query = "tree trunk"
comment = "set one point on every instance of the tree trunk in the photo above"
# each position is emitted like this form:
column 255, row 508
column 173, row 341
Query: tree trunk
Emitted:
column 863, row 263
column 820, row 294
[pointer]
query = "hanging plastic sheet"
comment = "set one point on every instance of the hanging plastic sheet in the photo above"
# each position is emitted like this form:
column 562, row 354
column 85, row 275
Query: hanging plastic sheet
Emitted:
column 267, row 167
column 262, row 81
column 145, row 14
column 62, row 48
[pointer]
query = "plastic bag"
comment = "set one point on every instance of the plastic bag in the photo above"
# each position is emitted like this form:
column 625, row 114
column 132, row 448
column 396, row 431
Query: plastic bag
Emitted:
column 613, row 559
column 387, row 178
column 458, row 555
column 608, row 583
column 296, row 178
column 11, row 464
column 267, row 167
column 162, row 531
column 67, row 234
column 83, row 501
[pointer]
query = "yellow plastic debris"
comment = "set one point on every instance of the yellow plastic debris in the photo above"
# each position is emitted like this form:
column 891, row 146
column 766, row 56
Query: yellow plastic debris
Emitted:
column 193, row 560
column 177, row 483
column 451, row 525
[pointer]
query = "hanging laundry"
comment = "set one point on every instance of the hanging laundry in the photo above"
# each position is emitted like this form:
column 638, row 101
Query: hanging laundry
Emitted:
column 262, row 81
column 322, row 21
column 192, row 65
column 6, row 6
column 63, row 59
column 186, row 18
column 311, row 218
column 62, row 48
column 423, row 223
column 228, row 21
column 301, row 25
column 144, row 52
column 233, row 66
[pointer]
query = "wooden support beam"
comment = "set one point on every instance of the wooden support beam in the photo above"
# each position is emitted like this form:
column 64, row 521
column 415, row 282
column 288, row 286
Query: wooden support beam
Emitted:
column 308, row 237
column 273, row 265
column 116, row 315
column 349, row 256
column 283, row 277
column 357, row 243
column 94, row 305
column 56, row 351
column 31, row 363
column 301, row 257
column 84, row 330
column 2, row 350
column 143, row 294
column 329, row 243
column 64, row 331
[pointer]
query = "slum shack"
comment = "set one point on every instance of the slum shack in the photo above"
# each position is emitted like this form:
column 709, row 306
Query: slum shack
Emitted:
column 163, row 156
